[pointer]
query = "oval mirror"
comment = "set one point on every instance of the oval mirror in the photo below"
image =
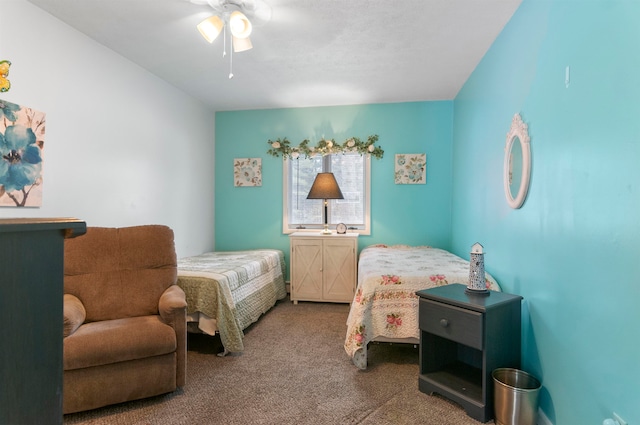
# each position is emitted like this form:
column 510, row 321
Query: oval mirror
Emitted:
column 517, row 163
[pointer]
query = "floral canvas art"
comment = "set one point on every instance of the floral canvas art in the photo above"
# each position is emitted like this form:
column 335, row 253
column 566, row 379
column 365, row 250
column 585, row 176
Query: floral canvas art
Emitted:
column 21, row 143
column 5, row 84
column 411, row 168
column 247, row 172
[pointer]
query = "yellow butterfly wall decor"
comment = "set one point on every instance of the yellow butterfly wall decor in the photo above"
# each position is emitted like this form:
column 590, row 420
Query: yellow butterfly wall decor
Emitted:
column 5, row 84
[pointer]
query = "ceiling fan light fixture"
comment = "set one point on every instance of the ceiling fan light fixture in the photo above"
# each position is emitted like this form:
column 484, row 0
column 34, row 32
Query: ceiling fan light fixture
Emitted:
column 239, row 25
column 210, row 28
column 232, row 19
column 241, row 44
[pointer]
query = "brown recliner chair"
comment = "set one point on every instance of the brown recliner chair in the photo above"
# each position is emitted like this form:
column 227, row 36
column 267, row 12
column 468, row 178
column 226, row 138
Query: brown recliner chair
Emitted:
column 124, row 317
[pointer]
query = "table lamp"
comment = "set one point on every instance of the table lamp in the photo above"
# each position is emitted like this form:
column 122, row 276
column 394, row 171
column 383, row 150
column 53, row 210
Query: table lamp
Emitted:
column 325, row 187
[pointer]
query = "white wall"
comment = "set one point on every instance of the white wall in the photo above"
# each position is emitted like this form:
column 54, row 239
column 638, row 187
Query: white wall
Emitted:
column 122, row 147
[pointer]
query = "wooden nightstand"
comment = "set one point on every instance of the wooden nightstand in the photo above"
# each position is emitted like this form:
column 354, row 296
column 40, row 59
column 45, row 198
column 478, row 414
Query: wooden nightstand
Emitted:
column 463, row 338
column 323, row 267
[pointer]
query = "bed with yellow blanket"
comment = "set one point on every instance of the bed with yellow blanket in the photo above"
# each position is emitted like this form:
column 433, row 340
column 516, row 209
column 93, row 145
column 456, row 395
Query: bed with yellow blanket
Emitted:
column 227, row 291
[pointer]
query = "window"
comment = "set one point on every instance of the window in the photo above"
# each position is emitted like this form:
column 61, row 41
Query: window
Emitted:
column 352, row 172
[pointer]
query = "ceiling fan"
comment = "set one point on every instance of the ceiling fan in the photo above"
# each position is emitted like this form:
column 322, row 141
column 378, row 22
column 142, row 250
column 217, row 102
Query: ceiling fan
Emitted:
column 238, row 17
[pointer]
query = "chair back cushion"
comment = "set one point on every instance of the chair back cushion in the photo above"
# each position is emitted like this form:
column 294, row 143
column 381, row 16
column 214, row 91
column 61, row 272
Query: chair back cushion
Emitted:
column 120, row 272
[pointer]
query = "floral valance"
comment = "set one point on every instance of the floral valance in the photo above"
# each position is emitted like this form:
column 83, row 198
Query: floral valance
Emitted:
column 282, row 147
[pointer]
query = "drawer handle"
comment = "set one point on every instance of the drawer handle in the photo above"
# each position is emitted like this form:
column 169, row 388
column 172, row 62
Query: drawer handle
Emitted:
column 444, row 323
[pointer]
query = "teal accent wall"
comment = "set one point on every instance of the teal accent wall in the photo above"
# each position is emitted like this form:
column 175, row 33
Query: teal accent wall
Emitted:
column 572, row 250
column 251, row 217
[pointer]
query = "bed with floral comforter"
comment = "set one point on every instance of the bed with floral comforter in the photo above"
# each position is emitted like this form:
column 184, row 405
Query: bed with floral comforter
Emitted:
column 385, row 306
column 227, row 291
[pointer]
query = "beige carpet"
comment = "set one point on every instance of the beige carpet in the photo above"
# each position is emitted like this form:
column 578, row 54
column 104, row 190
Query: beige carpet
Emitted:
column 294, row 370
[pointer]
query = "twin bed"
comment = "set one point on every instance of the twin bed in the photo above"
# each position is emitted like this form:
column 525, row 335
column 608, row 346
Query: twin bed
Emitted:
column 227, row 291
column 385, row 306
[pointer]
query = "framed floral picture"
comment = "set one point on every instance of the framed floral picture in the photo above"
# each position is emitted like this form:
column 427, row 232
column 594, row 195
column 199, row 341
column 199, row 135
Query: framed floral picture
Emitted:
column 411, row 168
column 21, row 145
column 5, row 84
column 247, row 172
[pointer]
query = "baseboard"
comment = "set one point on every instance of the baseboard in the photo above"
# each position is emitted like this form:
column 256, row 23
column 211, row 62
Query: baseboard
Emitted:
column 542, row 418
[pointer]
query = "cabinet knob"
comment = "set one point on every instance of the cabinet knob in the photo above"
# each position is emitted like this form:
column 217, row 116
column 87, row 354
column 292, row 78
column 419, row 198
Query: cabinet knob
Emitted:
column 444, row 323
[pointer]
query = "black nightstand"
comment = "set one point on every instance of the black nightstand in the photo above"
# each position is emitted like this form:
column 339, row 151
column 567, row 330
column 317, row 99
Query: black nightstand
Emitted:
column 463, row 338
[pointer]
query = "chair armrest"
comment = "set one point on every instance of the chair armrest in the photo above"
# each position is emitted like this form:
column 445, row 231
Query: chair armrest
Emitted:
column 173, row 305
column 74, row 314
column 173, row 311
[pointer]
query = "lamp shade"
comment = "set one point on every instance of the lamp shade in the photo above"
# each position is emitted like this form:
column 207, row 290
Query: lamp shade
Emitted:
column 210, row 28
column 239, row 25
column 325, row 186
column 241, row 44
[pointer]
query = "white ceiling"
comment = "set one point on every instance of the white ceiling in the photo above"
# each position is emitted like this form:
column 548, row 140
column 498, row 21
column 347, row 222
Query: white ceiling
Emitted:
column 311, row 52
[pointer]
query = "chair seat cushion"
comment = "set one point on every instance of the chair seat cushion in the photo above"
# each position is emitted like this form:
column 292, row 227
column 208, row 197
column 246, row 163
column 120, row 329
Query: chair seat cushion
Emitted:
column 112, row 341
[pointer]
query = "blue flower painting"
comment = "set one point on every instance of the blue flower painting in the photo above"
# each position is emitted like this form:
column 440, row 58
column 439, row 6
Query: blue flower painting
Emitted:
column 411, row 168
column 247, row 172
column 21, row 144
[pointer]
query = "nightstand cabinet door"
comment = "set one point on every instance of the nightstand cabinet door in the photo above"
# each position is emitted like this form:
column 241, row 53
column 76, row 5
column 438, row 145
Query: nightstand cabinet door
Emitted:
column 339, row 270
column 323, row 267
column 306, row 269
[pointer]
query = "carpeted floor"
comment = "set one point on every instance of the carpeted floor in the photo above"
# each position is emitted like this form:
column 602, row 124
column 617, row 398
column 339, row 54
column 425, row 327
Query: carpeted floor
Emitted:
column 294, row 370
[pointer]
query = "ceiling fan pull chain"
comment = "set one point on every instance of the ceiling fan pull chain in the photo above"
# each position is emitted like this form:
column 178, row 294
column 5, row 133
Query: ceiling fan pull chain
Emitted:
column 230, row 62
column 224, row 42
column 230, row 50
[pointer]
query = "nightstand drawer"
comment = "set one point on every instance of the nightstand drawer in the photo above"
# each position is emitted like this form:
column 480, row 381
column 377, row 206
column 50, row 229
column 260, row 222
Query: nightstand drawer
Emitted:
column 457, row 324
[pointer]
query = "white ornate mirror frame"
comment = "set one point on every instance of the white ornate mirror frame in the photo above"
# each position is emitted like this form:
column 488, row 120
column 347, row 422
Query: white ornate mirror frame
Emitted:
column 518, row 133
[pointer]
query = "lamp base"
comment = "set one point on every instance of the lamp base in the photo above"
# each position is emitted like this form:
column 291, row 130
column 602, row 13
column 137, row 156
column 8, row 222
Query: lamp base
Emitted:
column 477, row 291
column 326, row 230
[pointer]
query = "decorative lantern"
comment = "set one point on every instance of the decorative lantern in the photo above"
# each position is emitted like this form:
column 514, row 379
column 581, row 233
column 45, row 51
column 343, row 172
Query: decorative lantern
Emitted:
column 477, row 284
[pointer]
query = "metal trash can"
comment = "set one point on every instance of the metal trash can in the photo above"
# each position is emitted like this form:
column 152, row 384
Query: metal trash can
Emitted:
column 515, row 397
